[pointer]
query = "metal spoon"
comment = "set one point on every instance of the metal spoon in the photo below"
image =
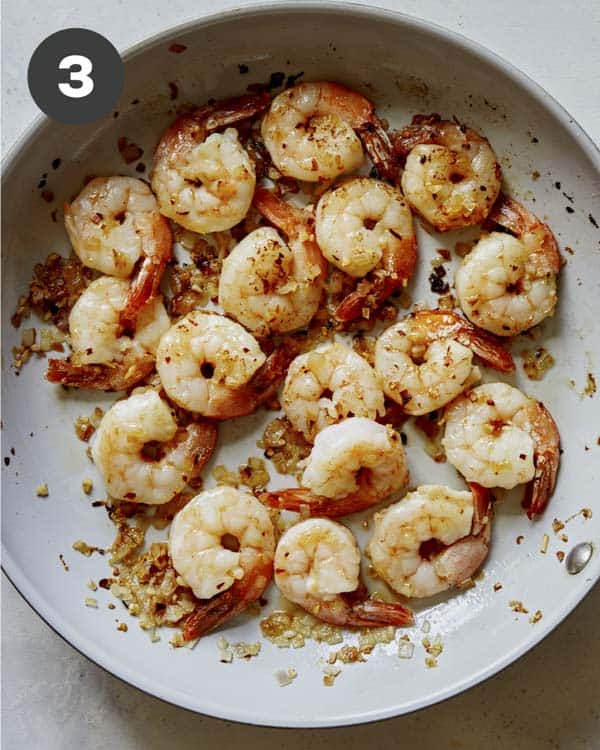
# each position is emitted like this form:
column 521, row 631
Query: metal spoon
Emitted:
column 579, row 557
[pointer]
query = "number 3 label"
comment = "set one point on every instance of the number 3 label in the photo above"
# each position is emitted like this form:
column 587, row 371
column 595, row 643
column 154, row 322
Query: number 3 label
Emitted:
column 80, row 76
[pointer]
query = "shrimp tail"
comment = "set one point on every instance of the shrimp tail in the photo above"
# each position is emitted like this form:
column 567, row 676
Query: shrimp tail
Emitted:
column 485, row 346
column 278, row 212
column 99, row 377
column 373, row 291
column 199, row 440
column 146, row 283
column 211, row 613
column 372, row 613
column 378, row 145
column 301, row 500
column 422, row 130
column 546, row 459
column 482, row 507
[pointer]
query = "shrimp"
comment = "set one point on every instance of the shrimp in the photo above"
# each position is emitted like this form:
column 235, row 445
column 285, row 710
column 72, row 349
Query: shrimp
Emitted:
column 113, row 223
column 317, row 566
column 328, row 384
column 426, row 360
column 210, row 365
column 313, row 132
column 267, row 285
column 206, row 182
column 451, row 175
column 507, row 284
column 103, row 358
column 500, row 437
column 352, row 466
column 360, row 221
column 143, row 455
column 431, row 540
column 222, row 544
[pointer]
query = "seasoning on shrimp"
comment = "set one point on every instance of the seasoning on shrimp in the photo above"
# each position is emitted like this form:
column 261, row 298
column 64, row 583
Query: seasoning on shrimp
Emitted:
column 328, row 384
column 317, row 565
column 431, row 540
column 500, row 437
column 451, row 176
column 353, row 465
column 143, row 455
column 103, row 357
column 268, row 285
column 202, row 179
column 426, row 360
column 364, row 226
column 507, row 283
column 313, row 132
column 222, row 544
column 113, row 223
column 211, row 365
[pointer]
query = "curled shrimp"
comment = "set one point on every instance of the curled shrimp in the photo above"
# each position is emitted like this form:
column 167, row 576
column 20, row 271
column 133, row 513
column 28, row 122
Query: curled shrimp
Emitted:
column 267, row 285
column 500, row 437
column 432, row 539
column 426, row 360
column 205, row 180
column 507, row 283
column 222, row 544
column 313, row 132
column 353, row 465
column 328, row 384
column 114, row 225
column 317, row 565
column 102, row 357
column 143, row 455
column 211, row 365
column 451, row 175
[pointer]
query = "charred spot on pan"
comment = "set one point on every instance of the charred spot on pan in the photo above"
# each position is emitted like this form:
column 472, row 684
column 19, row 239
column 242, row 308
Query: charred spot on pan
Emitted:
column 243, row 68
column 292, row 79
column 177, row 48
column 593, row 221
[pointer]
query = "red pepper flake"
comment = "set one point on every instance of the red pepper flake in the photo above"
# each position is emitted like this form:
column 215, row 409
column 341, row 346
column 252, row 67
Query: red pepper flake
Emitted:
column 47, row 195
column 177, row 48
column 130, row 152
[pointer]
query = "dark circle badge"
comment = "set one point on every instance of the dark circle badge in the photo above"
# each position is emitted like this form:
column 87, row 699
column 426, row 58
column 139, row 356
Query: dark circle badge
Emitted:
column 75, row 76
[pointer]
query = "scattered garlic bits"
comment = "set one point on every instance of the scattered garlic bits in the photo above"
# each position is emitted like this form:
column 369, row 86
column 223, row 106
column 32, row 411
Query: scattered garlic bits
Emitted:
column 329, row 675
column 85, row 549
column 86, row 426
column 42, row 490
column 406, row 650
column 284, row 446
column 252, row 474
column 557, row 525
column 433, row 648
column 536, row 363
column 544, row 545
column 87, row 486
column 51, row 339
column 285, row 676
column 590, row 385
column 517, row 606
column 240, row 650
column 287, row 630
column 91, row 602
column 536, row 617
column 122, row 627
column 497, row 586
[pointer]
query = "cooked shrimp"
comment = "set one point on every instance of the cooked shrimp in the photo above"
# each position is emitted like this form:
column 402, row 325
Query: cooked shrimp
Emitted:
column 359, row 221
column 143, row 455
column 426, row 360
column 431, row 540
column 102, row 357
column 328, row 384
column 222, row 544
column 268, row 285
column 317, row 566
column 313, row 132
column 210, row 365
column 451, row 176
column 500, row 437
column 353, row 465
column 112, row 224
column 507, row 283
column 206, row 182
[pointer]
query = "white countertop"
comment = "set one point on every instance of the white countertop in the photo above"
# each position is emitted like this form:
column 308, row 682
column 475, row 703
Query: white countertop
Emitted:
column 54, row 698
